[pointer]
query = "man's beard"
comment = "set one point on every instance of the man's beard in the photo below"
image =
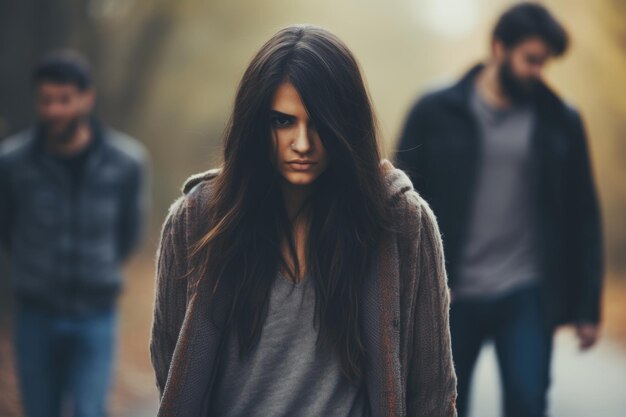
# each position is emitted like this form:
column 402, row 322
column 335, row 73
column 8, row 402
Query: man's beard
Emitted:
column 518, row 91
column 67, row 134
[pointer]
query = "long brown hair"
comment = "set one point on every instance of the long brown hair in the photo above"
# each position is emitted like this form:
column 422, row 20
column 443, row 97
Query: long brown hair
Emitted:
column 246, row 220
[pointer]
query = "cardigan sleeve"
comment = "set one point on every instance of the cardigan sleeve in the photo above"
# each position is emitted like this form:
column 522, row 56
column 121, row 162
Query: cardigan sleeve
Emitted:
column 170, row 292
column 432, row 380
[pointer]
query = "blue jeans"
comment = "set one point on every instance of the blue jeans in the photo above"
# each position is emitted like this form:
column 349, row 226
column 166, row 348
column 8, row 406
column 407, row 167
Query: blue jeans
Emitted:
column 64, row 362
column 523, row 346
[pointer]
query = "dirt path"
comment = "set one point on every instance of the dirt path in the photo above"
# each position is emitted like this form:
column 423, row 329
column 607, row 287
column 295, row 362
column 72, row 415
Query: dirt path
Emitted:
column 584, row 384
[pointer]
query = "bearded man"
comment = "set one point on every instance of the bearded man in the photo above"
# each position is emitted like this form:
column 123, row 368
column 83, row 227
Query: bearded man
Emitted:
column 503, row 162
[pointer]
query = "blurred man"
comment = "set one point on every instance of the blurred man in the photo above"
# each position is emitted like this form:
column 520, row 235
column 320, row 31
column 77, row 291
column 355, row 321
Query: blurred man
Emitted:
column 504, row 163
column 72, row 204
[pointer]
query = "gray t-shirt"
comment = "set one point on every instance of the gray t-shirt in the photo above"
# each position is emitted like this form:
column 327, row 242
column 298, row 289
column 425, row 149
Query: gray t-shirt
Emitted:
column 499, row 255
column 286, row 374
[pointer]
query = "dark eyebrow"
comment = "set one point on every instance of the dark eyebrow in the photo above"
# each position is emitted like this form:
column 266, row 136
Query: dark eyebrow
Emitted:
column 281, row 114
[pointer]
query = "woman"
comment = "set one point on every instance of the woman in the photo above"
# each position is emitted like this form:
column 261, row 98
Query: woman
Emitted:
column 304, row 277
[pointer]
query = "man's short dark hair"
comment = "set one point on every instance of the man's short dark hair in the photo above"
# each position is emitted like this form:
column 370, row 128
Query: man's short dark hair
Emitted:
column 63, row 67
column 526, row 20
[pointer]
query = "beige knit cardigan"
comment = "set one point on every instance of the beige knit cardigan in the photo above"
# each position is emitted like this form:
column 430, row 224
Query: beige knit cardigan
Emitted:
column 409, row 369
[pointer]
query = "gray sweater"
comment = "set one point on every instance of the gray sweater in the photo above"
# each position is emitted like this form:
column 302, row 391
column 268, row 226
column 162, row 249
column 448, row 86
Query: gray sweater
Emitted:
column 409, row 369
column 287, row 373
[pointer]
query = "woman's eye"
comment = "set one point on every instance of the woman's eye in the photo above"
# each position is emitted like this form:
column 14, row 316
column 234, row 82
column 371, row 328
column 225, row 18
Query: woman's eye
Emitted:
column 279, row 121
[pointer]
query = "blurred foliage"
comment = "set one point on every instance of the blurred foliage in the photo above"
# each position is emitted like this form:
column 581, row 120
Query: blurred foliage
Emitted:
column 167, row 70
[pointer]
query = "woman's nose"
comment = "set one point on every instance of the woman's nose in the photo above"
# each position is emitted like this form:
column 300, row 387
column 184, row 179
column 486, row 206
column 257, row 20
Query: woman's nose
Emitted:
column 302, row 142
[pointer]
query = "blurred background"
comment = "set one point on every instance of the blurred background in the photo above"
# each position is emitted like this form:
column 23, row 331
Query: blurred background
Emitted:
column 166, row 73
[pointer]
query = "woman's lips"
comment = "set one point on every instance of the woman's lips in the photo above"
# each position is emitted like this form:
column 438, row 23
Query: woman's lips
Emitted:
column 301, row 166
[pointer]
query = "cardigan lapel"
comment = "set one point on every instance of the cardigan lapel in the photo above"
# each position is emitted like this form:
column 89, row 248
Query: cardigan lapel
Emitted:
column 187, row 389
column 381, row 331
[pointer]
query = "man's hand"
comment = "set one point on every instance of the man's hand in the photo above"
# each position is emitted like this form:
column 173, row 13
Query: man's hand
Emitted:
column 588, row 334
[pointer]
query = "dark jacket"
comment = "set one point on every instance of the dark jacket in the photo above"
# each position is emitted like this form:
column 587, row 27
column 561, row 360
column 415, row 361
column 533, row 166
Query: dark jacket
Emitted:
column 440, row 149
column 66, row 243
column 404, row 317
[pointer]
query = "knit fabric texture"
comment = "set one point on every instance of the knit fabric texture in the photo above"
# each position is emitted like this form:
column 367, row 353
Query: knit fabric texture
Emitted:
column 404, row 315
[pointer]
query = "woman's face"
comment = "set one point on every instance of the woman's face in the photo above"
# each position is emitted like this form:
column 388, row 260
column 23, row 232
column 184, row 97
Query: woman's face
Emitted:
column 300, row 154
